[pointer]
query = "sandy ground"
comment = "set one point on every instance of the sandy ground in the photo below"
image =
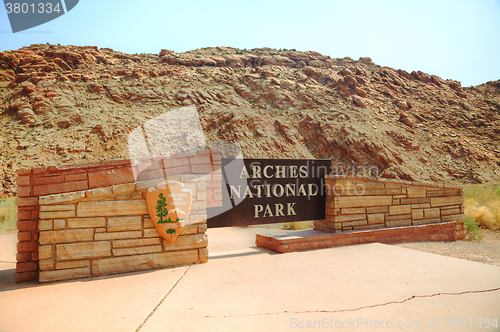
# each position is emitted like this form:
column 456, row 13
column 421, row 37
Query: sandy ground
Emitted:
column 487, row 251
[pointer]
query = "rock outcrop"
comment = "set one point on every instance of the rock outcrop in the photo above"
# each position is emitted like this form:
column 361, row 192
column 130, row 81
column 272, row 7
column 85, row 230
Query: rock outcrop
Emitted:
column 70, row 104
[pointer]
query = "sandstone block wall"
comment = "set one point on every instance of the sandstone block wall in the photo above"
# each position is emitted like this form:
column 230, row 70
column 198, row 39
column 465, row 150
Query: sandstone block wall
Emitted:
column 359, row 203
column 108, row 230
column 199, row 171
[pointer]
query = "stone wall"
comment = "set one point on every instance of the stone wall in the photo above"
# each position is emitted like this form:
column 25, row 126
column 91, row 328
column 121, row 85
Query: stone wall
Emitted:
column 202, row 169
column 359, row 203
column 108, row 230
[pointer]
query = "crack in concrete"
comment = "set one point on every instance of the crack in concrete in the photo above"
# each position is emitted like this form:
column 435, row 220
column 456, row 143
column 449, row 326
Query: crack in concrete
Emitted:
column 161, row 301
column 359, row 308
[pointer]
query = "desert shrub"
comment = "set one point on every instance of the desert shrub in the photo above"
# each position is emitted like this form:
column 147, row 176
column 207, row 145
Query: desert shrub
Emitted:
column 293, row 225
column 297, row 225
column 473, row 230
column 482, row 204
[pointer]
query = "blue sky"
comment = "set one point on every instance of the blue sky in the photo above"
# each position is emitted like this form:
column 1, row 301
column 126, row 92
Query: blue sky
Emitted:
column 453, row 39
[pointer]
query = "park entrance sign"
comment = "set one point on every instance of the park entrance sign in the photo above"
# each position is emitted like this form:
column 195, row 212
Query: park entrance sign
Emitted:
column 263, row 191
column 91, row 220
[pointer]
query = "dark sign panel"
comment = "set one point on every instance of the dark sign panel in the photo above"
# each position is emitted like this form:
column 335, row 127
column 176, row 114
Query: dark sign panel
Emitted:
column 264, row 191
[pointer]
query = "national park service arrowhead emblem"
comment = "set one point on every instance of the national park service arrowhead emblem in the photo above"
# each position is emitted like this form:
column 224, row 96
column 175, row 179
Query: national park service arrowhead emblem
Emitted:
column 169, row 209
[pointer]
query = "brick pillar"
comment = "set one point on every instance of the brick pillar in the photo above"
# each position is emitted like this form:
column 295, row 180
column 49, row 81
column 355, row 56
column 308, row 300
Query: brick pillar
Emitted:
column 27, row 227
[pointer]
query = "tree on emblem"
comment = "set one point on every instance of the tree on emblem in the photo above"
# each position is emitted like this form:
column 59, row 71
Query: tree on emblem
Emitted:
column 162, row 212
column 161, row 209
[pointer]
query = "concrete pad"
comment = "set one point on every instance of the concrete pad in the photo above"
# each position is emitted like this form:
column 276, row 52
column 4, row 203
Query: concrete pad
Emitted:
column 227, row 239
column 8, row 251
column 113, row 303
column 436, row 313
column 260, row 291
column 8, row 247
column 263, row 292
column 237, row 241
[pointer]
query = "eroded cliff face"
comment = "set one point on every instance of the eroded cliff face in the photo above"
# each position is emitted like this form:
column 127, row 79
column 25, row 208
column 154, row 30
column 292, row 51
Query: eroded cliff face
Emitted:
column 70, row 104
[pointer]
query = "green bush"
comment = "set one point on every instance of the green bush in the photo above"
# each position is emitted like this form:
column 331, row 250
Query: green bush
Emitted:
column 473, row 230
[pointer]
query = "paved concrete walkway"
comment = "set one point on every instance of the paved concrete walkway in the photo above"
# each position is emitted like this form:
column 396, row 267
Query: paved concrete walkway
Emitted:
column 244, row 288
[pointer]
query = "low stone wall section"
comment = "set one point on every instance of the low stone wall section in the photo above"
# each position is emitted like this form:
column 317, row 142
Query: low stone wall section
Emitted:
column 354, row 203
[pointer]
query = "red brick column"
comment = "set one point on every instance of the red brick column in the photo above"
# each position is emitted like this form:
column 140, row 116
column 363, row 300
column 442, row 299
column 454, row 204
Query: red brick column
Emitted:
column 27, row 226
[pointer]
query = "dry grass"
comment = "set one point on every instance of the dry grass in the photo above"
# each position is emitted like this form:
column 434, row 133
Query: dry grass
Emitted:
column 297, row 225
column 8, row 214
column 293, row 225
column 482, row 204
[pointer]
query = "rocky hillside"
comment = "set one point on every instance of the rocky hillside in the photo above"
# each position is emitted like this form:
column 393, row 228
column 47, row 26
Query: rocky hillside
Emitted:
column 69, row 104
